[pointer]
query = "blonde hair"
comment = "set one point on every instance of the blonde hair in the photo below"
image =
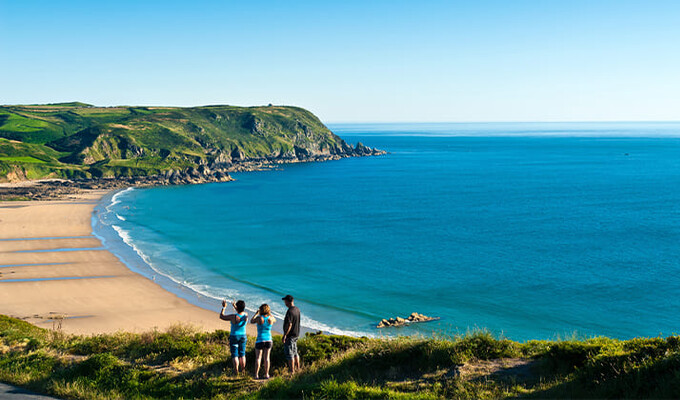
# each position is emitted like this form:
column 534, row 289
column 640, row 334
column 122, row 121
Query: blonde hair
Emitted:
column 265, row 310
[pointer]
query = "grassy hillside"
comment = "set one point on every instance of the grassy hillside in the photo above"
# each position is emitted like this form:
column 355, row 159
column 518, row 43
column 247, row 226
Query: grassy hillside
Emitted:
column 181, row 363
column 77, row 140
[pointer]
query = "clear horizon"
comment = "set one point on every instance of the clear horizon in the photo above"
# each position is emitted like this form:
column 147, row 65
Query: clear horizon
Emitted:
column 354, row 62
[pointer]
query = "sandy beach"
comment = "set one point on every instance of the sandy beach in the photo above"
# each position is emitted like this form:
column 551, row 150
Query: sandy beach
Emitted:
column 55, row 274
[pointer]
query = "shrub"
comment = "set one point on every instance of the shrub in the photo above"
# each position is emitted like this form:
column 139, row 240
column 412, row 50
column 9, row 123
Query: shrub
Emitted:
column 564, row 357
column 315, row 347
column 34, row 344
column 21, row 368
column 482, row 345
column 86, row 345
column 13, row 331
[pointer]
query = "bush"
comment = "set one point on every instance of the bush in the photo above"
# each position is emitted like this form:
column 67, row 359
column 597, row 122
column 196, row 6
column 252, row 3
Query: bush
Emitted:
column 13, row 331
column 564, row 357
column 105, row 371
column 86, row 345
column 315, row 347
column 22, row 368
column 482, row 345
column 34, row 344
column 634, row 369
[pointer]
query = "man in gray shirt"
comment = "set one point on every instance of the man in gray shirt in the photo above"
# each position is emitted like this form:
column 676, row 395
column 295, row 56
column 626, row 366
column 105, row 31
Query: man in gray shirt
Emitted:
column 291, row 331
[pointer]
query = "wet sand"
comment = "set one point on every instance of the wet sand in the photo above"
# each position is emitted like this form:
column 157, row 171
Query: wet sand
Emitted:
column 55, row 274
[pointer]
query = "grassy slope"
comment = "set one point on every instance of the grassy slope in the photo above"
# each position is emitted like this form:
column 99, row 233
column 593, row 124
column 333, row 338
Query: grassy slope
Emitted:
column 183, row 364
column 114, row 141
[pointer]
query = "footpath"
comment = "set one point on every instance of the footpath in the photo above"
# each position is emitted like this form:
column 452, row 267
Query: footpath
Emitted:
column 15, row 393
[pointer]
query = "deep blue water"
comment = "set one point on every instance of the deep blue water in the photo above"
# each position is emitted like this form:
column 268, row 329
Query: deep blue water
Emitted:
column 529, row 230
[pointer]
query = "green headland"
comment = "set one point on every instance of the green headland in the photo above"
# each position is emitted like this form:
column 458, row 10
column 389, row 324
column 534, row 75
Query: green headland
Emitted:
column 81, row 141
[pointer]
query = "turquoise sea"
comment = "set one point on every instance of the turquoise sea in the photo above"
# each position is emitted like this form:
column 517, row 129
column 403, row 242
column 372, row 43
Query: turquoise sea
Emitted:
column 530, row 230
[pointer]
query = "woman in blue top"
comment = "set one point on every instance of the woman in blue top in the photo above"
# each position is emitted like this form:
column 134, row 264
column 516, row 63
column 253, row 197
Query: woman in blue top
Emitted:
column 263, row 344
column 237, row 336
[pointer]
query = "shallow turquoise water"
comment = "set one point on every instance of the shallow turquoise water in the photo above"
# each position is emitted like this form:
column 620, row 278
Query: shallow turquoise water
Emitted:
column 523, row 229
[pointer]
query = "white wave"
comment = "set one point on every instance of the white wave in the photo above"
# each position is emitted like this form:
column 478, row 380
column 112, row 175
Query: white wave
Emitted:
column 120, row 218
column 211, row 292
column 320, row 326
column 125, row 235
column 114, row 198
column 205, row 291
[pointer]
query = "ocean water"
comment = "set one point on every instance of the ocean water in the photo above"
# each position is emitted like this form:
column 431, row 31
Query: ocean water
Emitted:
column 532, row 231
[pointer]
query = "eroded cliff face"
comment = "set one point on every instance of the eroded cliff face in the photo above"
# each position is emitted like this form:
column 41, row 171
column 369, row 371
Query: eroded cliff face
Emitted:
column 15, row 174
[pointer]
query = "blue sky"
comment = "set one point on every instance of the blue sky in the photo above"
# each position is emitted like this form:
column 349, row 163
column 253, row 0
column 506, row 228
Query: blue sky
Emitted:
column 353, row 61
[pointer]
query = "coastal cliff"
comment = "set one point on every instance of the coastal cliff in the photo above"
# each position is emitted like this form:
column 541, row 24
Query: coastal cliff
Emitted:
column 162, row 145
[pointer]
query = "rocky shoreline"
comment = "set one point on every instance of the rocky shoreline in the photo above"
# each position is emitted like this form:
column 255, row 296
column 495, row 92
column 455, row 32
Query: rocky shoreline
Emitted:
column 51, row 189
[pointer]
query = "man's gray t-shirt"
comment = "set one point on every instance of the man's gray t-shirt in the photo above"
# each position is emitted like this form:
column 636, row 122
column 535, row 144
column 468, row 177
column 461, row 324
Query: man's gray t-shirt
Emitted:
column 293, row 320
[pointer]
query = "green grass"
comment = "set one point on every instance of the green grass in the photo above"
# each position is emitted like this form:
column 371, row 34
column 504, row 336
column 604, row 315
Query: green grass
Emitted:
column 24, row 128
column 73, row 104
column 183, row 363
column 23, row 159
column 127, row 141
column 32, row 161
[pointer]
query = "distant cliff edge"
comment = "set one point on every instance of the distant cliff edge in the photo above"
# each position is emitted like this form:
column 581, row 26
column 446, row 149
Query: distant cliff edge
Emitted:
column 159, row 145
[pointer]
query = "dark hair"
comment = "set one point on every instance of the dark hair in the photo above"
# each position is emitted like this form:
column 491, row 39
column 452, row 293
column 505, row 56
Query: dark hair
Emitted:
column 240, row 306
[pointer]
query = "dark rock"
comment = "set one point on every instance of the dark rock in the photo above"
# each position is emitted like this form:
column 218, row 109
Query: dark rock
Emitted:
column 302, row 153
column 203, row 169
column 237, row 154
column 362, row 150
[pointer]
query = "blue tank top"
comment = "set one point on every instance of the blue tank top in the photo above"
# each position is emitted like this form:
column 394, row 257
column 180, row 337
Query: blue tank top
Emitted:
column 264, row 331
column 239, row 328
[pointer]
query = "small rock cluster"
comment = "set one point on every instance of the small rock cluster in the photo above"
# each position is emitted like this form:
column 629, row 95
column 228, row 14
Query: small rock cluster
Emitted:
column 398, row 321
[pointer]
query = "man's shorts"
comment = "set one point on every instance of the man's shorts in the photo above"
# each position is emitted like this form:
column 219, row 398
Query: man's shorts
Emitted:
column 290, row 348
column 264, row 345
column 237, row 345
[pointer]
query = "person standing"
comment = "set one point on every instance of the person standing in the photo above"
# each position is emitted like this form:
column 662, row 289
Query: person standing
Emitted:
column 291, row 332
column 263, row 343
column 237, row 335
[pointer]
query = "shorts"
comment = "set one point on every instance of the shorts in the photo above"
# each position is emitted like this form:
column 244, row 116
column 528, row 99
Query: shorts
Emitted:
column 237, row 345
column 264, row 345
column 290, row 348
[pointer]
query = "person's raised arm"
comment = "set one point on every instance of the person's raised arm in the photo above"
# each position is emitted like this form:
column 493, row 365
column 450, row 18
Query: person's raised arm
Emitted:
column 222, row 315
column 256, row 318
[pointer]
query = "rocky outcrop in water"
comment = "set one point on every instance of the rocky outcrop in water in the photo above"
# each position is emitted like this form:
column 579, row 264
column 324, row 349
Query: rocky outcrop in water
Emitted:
column 398, row 321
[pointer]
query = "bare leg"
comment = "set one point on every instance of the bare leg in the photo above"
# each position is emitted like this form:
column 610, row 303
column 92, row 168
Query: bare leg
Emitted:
column 291, row 366
column 297, row 363
column 258, row 353
column 243, row 364
column 234, row 361
column 265, row 356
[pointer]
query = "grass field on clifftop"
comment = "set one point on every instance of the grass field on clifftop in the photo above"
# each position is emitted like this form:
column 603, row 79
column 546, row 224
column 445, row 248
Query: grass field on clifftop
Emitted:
column 182, row 363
